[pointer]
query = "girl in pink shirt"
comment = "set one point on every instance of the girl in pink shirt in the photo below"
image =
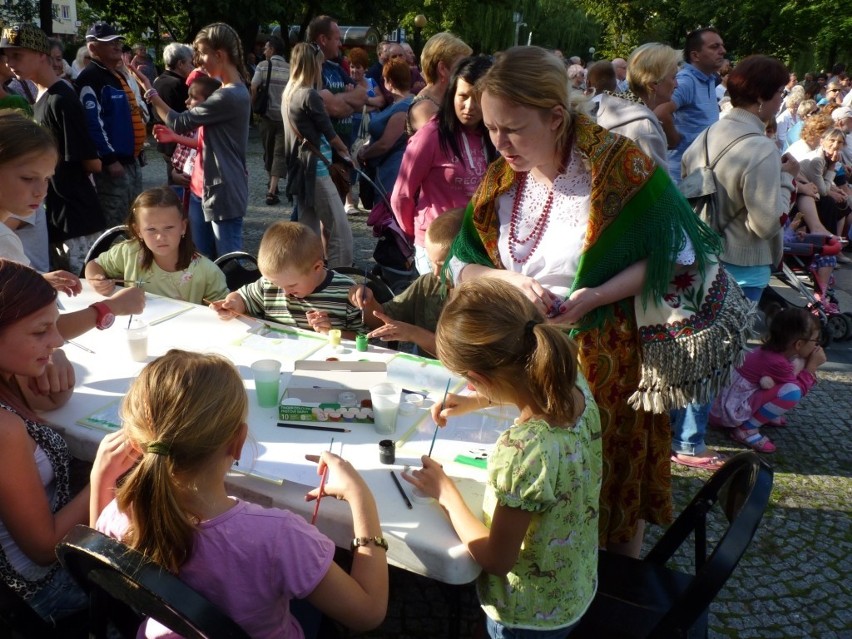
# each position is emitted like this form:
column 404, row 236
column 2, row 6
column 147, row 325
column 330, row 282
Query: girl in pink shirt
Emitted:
column 185, row 417
column 771, row 380
column 445, row 160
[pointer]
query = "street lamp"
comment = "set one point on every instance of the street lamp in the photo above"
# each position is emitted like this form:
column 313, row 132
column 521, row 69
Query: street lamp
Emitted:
column 518, row 26
column 419, row 23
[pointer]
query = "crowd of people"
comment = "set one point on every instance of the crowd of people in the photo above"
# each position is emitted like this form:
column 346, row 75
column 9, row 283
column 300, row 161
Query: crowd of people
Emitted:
column 561, row 272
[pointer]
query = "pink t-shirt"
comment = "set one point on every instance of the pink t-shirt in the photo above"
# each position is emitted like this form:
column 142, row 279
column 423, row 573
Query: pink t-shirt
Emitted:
column 196, row 180
column 431, row 182
column 251, row 561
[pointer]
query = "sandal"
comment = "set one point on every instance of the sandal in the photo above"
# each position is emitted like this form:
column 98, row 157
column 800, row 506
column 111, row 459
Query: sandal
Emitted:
column 755, row 440
column 714, row 462
column 271, row 198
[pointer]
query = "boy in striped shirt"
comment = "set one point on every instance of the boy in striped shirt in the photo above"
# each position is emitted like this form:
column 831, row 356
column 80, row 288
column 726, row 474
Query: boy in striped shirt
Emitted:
column 295, row 288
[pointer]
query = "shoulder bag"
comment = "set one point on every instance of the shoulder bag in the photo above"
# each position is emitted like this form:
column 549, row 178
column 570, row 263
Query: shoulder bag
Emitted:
column 261, row 96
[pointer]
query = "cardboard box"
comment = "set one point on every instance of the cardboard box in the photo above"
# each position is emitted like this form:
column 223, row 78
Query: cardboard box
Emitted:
column 313, row 394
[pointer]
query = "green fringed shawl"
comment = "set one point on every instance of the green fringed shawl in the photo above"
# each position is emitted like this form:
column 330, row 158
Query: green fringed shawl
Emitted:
column 636, row 213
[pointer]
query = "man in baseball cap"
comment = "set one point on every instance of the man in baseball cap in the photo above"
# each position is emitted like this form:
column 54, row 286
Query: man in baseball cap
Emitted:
column 116, row 121
column 102, row 32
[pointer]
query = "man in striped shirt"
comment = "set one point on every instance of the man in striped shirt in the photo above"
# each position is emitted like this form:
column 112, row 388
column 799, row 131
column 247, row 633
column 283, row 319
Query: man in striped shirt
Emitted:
column 295, row 288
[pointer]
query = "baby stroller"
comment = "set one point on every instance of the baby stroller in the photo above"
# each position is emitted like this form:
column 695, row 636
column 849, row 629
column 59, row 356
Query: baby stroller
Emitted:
column 394, row 254
column 803, row 255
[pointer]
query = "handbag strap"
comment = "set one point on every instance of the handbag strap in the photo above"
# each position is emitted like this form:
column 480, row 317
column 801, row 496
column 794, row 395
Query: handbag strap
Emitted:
column 711, row 166
column 268, row 75
column 311, row 146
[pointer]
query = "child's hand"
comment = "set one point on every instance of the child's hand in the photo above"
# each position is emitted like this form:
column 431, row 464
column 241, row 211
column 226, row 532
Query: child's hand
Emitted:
column 360, row 296
column 454, row 406
column 319, row 321
column 128, row 301
column 343, row 481
column 392, row 330
column 766, row 382
column 64, row 282
column 431, row 479
column 816, row 359
column 115, row 456
column 229, row 307
column 103, row 285
column 163, row 134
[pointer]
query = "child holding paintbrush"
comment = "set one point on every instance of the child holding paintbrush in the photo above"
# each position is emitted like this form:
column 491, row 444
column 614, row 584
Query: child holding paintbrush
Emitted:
column 185, row 419
column 539, row 540
column 295, row 288
column 159, row 255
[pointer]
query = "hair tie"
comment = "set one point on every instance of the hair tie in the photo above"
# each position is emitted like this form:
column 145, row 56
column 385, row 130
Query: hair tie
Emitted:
column 158, row 448
column 528, row 328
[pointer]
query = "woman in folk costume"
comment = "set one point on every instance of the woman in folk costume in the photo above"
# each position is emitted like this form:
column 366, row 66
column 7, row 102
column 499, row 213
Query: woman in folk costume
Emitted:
column 600, row 239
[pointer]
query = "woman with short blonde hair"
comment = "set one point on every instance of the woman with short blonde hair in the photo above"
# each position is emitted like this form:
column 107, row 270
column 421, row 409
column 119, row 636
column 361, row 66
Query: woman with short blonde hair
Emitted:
column 437, row 60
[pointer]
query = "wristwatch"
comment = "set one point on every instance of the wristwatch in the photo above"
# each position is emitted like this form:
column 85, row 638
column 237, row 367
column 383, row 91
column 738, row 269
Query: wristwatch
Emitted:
column 381, row 542
column 105, row 316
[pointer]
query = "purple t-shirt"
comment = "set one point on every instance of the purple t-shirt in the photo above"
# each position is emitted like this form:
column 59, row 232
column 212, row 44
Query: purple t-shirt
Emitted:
column 251, row 561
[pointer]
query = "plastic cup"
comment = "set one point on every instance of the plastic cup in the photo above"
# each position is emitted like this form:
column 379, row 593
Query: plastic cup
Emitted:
column 334, row 336
column 267, row 379
column 137, row 339
column 385, row 398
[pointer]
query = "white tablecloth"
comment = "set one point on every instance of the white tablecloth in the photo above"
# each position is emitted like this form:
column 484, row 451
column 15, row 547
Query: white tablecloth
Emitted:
column 421, row 539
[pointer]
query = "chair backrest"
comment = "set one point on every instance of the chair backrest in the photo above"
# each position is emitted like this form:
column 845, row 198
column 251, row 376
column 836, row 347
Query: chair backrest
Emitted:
column 104, row 566
column 240, row 268
column 741, row 488
column 381, row 291
column 104, row 242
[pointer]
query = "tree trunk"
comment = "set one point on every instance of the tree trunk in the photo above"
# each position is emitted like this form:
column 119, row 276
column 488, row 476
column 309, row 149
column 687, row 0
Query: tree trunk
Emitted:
column 45, row 16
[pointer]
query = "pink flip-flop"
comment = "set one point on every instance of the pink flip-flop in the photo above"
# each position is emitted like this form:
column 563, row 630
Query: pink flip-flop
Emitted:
column 714, row 462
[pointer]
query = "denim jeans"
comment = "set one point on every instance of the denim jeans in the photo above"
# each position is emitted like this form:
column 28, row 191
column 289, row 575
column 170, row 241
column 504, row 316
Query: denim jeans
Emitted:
column 496, row 630
column 202, row 231
column 753, row 293
column 59, row 598
column 228, row 235
column 689, row 425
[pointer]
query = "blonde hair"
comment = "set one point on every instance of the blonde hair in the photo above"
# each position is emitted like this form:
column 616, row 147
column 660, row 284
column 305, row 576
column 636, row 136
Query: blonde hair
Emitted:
column 649, row 63
column 489, row 327
column 444, row 228
column 181, row 410
column 288, row 245
column 834, row 134
column 222, row 37
column 806, row 107
column 305, row 69
column 441, row 47
column 509, row 79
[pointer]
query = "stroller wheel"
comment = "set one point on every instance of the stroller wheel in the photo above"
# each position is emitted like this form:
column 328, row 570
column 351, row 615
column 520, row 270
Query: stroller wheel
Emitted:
column 838, row 327
column 848, row 317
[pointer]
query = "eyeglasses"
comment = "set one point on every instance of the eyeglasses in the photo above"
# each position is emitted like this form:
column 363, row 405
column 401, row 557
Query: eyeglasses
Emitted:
column 314, row 46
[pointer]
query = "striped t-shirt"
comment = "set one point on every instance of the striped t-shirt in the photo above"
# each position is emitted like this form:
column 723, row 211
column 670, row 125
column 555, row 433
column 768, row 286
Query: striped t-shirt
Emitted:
column 265, row 300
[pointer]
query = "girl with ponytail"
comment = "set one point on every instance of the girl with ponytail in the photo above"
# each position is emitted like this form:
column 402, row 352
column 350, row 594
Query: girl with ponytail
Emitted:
column 540, row 529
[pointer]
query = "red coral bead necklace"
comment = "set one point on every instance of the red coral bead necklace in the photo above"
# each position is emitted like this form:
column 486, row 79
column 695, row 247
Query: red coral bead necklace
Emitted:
column 515, row 242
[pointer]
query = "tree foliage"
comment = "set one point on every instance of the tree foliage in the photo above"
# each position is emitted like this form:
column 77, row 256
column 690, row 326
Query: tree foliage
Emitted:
column 799, row 32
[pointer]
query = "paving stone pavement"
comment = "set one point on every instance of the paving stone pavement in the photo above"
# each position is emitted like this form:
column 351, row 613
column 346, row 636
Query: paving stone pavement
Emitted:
column 795, row 580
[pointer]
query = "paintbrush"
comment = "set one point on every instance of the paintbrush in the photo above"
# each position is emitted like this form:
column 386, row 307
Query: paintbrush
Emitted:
column 321, row 487
column 443, row 405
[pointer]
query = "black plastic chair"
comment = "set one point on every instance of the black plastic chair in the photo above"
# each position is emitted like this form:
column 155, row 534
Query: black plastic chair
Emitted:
column 114, row 574
column 643, row 598
column 104, row 242
column 19, row 621
column 240, row 268
column 381, row 291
